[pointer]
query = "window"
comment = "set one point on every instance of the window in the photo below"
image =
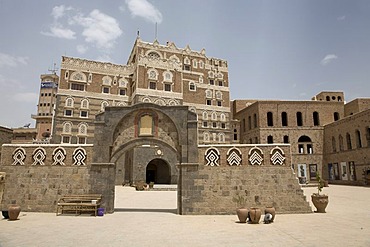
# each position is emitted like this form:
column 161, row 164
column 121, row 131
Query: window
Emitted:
column 103, row 105
column 66, row 139
column 167, row 87
column 336, row 116
column 195, row 64
column 206, row 137
column 220, row 83
column 205, row 115
column 221, row 137
column 107, row 80
column 316, row 120
column 83, row 114
column 214, row 116
column 305, row 140
column 327, row 98
column 192, row 86
column 122, row 92
column 299, row 119
column 167, row 76
column 68, row 113
column 270, row 139
column 219, row 103
column 286, row 139
column 341, row 145
column 146, row 125
column 223, row 125
column 211, row 82
column 82, row 129
column 222, row 117
column 67, row 128
column 209, row 102
column 333, row 144
column 284, row 119
column 309, row 149
column 85, row 104
column 358, row 139
column 152, row 85
column 243, row 125
column 105, row 89
column 201, row 64
column 349, row 143
column 214, row 125
column 208, row 93
column 235, row 135
column 249, row 122
column 69, row 102
column 81, row 140
column 255, row 120
column 300, row 148
column 66, row 75
column 270, row 121
column 79, row 87
column 205, row 124
column 186, row 67
column 368, row 137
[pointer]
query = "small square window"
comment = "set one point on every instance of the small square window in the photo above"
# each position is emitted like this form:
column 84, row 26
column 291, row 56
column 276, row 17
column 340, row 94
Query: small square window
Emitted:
column 122, row 92
column 105, row 89
column 83, row 114
column 223, row 125
column 209, row 102
column 219, row 103
column 82, row 140
column 187, row 67
column 214, row 125
column 66, row 139
column 167, row 87
column 192, row 87
column 152, row 85
column 68, row 113
column 211, row 82
column 205, row 124
column 220, row 83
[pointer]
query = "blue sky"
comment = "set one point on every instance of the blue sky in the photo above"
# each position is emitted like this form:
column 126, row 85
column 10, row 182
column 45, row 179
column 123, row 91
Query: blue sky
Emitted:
column 286, row 49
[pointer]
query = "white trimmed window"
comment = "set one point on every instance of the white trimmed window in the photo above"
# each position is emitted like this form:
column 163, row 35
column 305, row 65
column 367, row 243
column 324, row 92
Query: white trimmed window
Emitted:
column 84, row 104
column 69, row 102
column 68, row 113
column 192, row 86
column 195, row 64
column 205, row 115
column 103, row 105
column 84, row 114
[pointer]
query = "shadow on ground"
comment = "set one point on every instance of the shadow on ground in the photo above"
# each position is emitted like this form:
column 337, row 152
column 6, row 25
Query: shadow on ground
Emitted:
column 146, row 210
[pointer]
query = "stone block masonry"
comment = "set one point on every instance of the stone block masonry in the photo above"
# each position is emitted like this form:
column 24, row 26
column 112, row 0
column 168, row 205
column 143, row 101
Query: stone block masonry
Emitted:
column 262, row 174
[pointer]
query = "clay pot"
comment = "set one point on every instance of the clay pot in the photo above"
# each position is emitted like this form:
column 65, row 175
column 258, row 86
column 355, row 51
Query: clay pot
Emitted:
column 242, row 214
column 320, row 202
column 255, row 215
column 270, row 210
column 14, row 211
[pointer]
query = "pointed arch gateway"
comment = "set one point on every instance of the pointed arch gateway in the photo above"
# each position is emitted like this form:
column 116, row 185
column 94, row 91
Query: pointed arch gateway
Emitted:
column 135, row 156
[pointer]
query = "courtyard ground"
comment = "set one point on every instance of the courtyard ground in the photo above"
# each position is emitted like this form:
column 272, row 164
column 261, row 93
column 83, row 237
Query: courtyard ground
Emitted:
column 147, row 218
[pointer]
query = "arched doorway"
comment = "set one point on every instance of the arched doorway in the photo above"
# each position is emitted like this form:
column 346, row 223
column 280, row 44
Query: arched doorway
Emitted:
column 158, row 171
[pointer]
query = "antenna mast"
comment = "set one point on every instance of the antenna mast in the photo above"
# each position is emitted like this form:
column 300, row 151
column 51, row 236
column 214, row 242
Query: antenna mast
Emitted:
column 54, row 69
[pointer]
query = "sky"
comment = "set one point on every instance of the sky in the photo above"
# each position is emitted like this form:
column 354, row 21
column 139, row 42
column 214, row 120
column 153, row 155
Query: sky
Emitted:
column 286, row 49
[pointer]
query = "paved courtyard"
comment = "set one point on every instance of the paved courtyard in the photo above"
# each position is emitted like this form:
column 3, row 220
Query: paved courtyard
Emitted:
column 147, row 218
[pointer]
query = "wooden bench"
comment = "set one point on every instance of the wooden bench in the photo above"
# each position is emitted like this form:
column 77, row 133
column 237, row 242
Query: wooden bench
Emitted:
column 79, row 203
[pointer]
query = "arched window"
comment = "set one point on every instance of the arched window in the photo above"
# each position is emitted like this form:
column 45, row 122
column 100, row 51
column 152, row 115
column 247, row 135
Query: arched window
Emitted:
column 214, row 116
column 67, row 128
column 208, row 94
column 78, row 76
column 316, row 120
column 305, row 141
column 69, row 102
column 103, row 105
column 327, row 98
column 270, row 121
column 299, row 119
column 358, row 139
column 84, row 104
column 82, row 129
column 152, row 74
column 334, row 144
column 349, row 142
column 146, row 125
column 341, row 144
column 221, row 137
column 205, row 115
column 206, row 137
column 270, row 139
column 107, row 80
column 336, row 116
column 167, row 75
column 222, row 117
column 284, row 119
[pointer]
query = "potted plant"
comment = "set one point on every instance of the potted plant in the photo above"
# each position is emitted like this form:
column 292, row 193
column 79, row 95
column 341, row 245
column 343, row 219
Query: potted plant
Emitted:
column 319, row 200
column 241, row 210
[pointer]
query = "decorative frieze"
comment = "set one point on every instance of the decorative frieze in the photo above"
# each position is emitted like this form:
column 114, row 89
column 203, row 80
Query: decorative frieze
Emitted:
column 234, row 157
column 212, row 156
column 277, row 156
column 19, row 155
column 79, row 157
column 255, row 156
column 39, row 156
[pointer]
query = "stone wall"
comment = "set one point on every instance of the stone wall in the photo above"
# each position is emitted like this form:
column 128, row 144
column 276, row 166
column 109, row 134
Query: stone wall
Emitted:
column 37, row 175
column 260, row 173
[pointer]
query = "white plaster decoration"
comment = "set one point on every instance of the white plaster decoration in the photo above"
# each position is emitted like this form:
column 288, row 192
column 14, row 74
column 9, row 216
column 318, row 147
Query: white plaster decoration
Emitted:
column 187, row 49
column 255, row 156
column 193, row 109
column 78, row 76
column 67, row 128
column 82, row 129
column 220, row 75
column 59, row 155
column 201, row 79
column 79, row 157
column 69, row 102
column 212, row 157
column 103, row 105
column 153, row 55
column 19, row 155
column 211, row 74
column 277, row 156
column 107, row 80
column 218, row 95
column 214, row 116
column 173, row 102
column 214, row 137
column 222, row 117
column 39, row 155
column 70, row 63
column 160, row 102
column 146, row 100
column 152, row 74
column 201, row 64
column 85, row 104
column 167, row 75
column 209, row 94
column 206, row 137
column 234, row 157
column 174, row 59
column 195, row 63
column 221, row 137
column 121, row 104
column 187, row 61
column 89, row 79
column 205, row 115
column 122, row 83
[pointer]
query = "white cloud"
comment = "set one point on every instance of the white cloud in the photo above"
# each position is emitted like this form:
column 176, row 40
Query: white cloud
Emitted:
column 59, row 11
column 82, row 49
column 328, row 58
column 26, row 97
column 99, row 28
column 58, row 31
column 144, row 9
column 12, row 61
column 341, row 18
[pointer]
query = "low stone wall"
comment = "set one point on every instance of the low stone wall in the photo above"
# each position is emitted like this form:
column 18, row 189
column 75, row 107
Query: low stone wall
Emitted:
column 262, row 174
column 37, row 175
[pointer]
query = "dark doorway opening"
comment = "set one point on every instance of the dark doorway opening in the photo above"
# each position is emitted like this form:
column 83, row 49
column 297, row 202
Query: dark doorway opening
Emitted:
column 158, row 171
